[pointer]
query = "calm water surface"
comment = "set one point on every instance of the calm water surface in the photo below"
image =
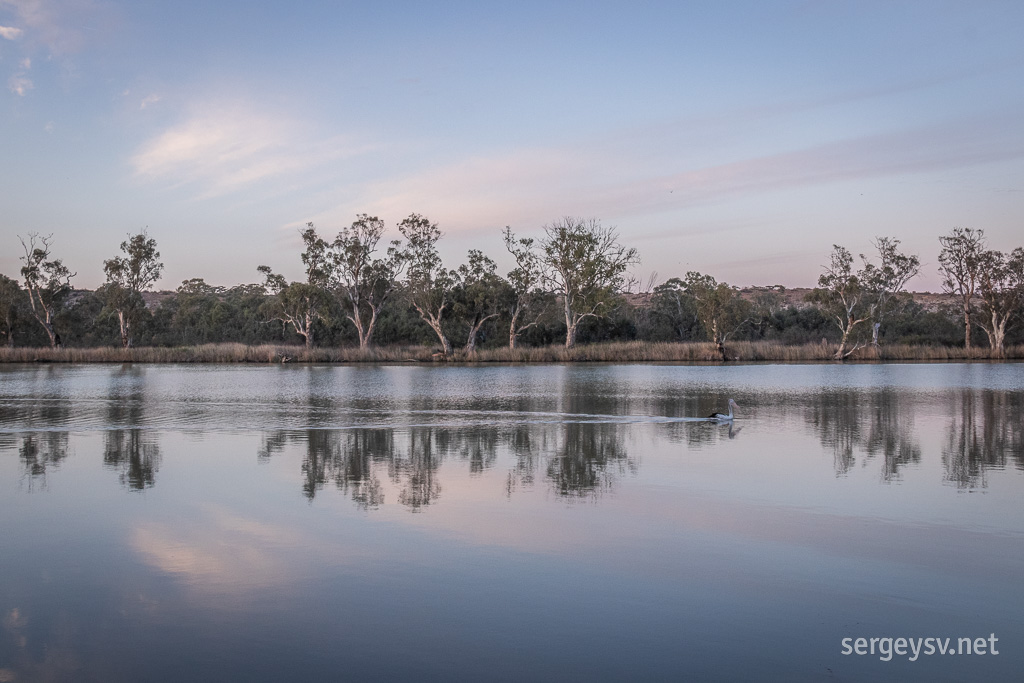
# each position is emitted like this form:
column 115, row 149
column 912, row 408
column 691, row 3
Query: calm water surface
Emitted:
column 173, row 523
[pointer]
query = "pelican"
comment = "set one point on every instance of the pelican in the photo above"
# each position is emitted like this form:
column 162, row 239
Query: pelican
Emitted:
column 722, row 417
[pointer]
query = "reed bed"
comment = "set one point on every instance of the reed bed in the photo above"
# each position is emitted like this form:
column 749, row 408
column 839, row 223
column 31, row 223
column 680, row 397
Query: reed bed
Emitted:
column 610, row 352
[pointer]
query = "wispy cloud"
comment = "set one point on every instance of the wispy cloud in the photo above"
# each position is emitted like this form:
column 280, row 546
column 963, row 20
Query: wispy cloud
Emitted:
column 530, row 187
column 62, row 26
column 10, row 32
column 149, row 100
column 19, row 84
column 223, row 149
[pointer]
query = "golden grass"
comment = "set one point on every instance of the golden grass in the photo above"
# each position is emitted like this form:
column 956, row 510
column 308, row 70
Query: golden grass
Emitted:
column 610, row 352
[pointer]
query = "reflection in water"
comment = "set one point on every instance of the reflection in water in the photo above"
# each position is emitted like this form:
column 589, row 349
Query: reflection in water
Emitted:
column 342, row 457
column 236, row 572
column 588, row 459
column 873, row 422
column 578, row 459
column 135, row 453
column 985, row 429
column 41, row 451
column 132, row 451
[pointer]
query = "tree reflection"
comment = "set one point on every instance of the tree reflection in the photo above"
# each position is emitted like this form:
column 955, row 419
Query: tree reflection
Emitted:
column 580, row 459
column 344, row 458
column 135, row 453
column 416, row 470
column 128, row 448
column 589, row 458
column 984, row 432
column 875, row 423
column 45, row 448
column 40, row 452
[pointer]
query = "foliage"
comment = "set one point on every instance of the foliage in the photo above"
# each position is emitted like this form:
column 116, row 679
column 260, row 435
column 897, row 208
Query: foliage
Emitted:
column 429, row 285
column 844, row 298
column 959, row 265
column 1001, row 286
column 11, row 298
column 47, row 281
column 127, row 277
column 365, row 282
column 886, row 281
column 479, row 294
column 586, row 266
column 719, row 307
column 303, row 305
column 527, row 300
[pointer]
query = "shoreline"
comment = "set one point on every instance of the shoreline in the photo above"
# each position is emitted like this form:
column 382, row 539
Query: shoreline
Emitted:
column 607, row 352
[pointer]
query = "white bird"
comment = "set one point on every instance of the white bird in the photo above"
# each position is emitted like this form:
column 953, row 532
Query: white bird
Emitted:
column 720, row 416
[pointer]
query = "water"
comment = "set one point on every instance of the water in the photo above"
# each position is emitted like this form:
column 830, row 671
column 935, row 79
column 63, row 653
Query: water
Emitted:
column 210, row 523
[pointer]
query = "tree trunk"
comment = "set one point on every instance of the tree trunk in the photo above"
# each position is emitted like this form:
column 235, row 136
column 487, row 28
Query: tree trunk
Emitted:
column 967, row 324
column 358, row 322
column 435, row 325
column 308, row 334
column 513, row 334
column 996, row 334
column 126, row 340
column 842, row 345
column 364, row 342
column 570, row 336
column 570, row 325
column 474, row 330
column 54, row 337
column 874, row 333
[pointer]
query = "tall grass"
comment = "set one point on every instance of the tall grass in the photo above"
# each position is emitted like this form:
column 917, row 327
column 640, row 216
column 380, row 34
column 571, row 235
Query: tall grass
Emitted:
column 610, row 352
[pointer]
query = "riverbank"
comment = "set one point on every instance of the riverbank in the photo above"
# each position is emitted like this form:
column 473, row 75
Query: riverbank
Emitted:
column 611, row 352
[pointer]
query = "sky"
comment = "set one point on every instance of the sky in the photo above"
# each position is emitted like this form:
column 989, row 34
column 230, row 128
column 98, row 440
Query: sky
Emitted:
column 739, row 139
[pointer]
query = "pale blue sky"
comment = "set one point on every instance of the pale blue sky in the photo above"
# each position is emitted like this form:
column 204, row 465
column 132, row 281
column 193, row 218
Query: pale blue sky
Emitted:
column 741, row 139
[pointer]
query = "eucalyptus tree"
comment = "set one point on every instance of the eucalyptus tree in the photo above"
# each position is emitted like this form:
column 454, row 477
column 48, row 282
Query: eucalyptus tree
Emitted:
column 960, row 267
column 10, row 298
column 366, row 282
column 1001, row 287
column 302, row 304
column 885, row 282
column 672, row 305
column 478, row 295
column 429, row 285
column 525, row 281
column 842, row 295
column 719, row 307
column 586, row 266
column 128, row 276
column 47, row 282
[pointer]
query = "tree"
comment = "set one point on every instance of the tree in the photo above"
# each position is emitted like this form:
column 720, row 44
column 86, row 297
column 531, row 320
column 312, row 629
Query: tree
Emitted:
column 525, row 281
column 429, row 284
column 10, row 297
column 959, row 264
column 47, row 281
column 366, row 282
column 719, row 307
column 586, row 266
column 302, row 304
column 479, row 294
column 841, row 293
column 128, row 276
column 887, row 280
column 1001, row 286
column 670, row 304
